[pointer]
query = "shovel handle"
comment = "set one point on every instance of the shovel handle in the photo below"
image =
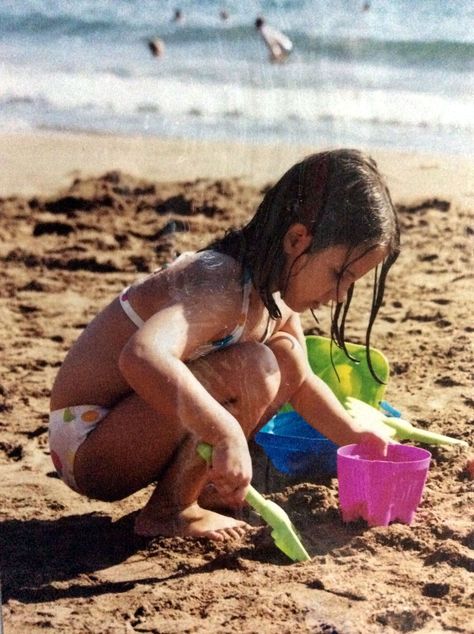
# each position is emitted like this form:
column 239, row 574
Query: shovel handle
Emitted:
column 205, row 451
column 253, row 497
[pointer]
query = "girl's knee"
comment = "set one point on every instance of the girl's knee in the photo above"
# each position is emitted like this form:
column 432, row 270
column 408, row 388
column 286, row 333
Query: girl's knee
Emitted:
column 257, row 384
column 246, row 372
column 260, row 356
column 261, row 368
column 280, row 362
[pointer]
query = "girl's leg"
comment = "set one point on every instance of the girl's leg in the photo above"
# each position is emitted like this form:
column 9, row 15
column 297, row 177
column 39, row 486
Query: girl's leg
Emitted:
column 244, row 379
column 134, row 446
column 264, row 393
column 292, row 364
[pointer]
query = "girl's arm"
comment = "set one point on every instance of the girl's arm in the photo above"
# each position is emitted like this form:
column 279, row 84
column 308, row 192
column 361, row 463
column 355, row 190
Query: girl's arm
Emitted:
column 153, row 363
column 318, row 405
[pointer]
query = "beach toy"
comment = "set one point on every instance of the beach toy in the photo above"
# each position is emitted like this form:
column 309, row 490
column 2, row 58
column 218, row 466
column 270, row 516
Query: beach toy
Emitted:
column 402, row 429
column 353, row 378
column 284, row 533
column 292, row 445
column 381, row 490
column 390, row 410
column 296, row 448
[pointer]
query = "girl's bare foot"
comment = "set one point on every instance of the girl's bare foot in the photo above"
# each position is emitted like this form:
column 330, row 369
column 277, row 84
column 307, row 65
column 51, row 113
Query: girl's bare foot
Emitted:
column 193, row 521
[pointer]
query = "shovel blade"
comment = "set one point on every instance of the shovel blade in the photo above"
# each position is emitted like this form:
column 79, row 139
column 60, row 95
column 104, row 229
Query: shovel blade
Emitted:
column 284, row 533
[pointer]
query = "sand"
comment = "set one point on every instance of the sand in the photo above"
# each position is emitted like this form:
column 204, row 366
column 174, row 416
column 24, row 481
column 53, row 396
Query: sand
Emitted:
column 81, row 216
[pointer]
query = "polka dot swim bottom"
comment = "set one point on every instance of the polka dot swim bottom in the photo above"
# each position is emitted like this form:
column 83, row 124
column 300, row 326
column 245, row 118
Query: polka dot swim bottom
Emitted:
column 68, row 428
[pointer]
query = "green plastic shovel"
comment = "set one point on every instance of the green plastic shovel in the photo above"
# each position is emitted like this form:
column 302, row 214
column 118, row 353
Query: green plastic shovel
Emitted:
column 284, row 533
column 402, row 429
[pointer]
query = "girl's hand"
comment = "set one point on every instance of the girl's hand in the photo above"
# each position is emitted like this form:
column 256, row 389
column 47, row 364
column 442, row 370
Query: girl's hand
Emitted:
column 376, row 441
column 231, row 470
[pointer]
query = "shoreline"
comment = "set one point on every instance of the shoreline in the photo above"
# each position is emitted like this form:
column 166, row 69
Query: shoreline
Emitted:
column 44, row 162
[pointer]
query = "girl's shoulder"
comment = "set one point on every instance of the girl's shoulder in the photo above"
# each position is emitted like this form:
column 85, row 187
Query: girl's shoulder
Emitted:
column 207, row 267
column 202, row 273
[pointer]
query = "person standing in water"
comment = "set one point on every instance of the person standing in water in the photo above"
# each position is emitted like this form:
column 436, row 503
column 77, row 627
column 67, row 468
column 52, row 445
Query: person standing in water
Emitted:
column 178, row 16
column 279, row 45
column 156, row 46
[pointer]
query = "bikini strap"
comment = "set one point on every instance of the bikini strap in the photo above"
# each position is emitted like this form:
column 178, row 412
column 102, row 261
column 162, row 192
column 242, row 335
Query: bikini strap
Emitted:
column 237, row 333
column 129, row 310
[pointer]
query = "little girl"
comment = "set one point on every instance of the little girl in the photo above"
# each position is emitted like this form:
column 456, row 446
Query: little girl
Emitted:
column 209, row 348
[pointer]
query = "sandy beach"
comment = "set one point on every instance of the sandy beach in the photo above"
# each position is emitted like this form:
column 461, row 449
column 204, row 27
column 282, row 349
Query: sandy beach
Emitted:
column 83, row 215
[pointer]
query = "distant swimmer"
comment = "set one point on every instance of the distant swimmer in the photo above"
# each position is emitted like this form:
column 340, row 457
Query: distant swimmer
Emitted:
column 279, row 45
column 157, row 47
column 224, row 14
column 178, row 16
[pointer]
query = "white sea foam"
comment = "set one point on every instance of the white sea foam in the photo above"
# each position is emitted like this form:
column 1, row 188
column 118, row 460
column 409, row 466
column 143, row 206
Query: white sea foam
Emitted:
column 106, row 92
column 16, row 124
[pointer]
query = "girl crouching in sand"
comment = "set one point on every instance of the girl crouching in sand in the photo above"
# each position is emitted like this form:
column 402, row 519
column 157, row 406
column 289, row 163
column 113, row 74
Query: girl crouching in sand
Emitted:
column 209, row 348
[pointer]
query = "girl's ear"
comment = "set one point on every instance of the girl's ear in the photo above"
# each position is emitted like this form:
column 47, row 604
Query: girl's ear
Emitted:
column 297, row 239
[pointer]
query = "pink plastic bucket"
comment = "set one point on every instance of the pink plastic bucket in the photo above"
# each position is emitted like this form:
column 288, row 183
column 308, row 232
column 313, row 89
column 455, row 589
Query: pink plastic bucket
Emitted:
column 381, row 490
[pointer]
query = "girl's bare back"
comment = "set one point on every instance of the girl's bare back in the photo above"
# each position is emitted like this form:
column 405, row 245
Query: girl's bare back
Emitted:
column 206, row 286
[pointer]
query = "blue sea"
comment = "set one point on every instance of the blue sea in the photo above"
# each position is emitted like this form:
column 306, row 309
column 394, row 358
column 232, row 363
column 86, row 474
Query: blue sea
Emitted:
column 398, row 75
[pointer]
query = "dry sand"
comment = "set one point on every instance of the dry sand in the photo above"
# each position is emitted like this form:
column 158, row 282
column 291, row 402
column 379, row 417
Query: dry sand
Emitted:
column 73, row 232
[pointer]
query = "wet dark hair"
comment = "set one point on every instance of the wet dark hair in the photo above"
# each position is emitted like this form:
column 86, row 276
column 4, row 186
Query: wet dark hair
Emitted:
column 342, row 199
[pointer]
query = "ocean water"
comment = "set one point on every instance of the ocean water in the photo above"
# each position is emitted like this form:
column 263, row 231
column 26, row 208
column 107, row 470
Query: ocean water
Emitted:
column 399, row 75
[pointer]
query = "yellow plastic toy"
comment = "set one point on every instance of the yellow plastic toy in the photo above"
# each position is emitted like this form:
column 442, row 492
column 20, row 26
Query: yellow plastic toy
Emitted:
column 353, row 378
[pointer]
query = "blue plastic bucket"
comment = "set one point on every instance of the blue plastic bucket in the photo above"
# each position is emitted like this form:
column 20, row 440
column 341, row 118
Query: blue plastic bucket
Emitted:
column 296, row 448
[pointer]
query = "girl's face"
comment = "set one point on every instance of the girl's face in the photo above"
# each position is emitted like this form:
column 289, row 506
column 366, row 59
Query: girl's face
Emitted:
column 324, row 277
